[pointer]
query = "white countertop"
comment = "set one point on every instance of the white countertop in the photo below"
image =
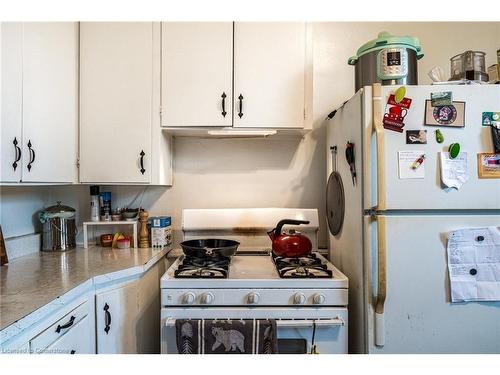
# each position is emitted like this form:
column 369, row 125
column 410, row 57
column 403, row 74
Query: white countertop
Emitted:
column 30, row 282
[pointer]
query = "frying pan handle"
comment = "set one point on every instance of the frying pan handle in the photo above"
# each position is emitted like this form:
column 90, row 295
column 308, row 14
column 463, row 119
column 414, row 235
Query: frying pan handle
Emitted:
column 280, row 224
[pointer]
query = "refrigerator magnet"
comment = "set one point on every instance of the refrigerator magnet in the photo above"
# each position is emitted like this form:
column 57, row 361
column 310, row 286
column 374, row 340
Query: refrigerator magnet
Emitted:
column 416, row 137
column 491, row 119
column 396, row 110
column 411, row 164
column 488, row 165
column 439, row 99
column 447, row 115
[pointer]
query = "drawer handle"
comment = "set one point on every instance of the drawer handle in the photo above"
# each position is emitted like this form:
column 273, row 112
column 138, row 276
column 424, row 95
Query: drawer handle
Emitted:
column 240, row 113
column 107, row 318
column 67, row 325
column 18, row 153
column 32, row 155
column 142, row 162
column 224, row 113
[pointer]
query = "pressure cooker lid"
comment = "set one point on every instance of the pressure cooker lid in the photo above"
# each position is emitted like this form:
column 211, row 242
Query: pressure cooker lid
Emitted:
column 387, row 40
column 335, row 203
column 57, row 210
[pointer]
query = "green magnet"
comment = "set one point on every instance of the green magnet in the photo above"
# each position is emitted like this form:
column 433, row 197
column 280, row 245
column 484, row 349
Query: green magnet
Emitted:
column 400, row 94
column 454, row 150
column 439, row 136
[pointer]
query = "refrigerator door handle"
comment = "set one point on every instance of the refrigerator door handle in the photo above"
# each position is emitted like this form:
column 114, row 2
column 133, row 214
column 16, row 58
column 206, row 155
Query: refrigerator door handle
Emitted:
column 378, row 128
column 381, row 282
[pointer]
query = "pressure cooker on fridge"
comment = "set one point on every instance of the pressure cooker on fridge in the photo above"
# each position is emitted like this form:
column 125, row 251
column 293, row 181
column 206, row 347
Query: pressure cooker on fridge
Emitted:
column 59, row 228
column 389, row 60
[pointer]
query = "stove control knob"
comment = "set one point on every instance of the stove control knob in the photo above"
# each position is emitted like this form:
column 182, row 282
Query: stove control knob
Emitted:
column 299, row 298
column 253, row 298
column 319, row 299
column 207, row 298
column 188, row 298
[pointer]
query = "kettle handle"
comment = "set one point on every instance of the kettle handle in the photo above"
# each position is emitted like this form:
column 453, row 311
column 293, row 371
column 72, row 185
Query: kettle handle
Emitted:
column 280, row 224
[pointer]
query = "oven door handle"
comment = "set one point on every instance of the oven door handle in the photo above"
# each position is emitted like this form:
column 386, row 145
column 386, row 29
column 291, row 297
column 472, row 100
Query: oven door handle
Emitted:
column 298, row 323
column 288, row 323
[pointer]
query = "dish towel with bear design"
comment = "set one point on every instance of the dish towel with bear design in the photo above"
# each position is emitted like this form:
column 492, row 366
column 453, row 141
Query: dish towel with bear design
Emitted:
column 238, row 336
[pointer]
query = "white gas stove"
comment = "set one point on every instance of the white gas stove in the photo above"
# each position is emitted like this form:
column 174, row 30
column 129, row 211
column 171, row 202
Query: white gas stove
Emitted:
column 302, row 294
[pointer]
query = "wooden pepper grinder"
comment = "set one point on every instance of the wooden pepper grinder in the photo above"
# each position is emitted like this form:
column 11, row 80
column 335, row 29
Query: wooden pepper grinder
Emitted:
column 143, row 231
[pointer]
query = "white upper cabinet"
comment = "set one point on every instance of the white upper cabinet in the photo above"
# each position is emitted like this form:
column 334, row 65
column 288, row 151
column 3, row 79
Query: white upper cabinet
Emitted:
column 11, row 162
column 39, row 102
column 116, row 88
column 269, row 74
column 197, row 66
column 263, row 70
column 50, row 101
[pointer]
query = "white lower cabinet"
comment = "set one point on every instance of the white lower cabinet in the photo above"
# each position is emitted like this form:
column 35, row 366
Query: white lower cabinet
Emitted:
column 65, row 329
column 75, row 341
column 116, row 315
column 128, row 315
column 120, row 318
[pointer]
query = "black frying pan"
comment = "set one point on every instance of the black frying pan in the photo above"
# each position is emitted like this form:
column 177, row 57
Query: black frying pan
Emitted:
column 211, row 247
column 335, row 199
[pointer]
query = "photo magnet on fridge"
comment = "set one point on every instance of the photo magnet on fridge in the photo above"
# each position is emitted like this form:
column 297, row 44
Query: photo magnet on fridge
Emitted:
column 452, row 116
column 439, row 99
column 416, row 137
column 491, row 119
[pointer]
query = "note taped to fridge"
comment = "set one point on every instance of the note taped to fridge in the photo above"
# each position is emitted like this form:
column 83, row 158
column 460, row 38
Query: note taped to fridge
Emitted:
column 411, row 164
column 454, row 172
column 474, row 264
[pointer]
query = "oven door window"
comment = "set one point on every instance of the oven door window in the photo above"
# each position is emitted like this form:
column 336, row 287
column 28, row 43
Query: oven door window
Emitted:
column 292, row 346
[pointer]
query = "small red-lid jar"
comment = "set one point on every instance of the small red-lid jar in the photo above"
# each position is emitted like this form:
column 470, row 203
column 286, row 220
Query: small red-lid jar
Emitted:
column 123, row 243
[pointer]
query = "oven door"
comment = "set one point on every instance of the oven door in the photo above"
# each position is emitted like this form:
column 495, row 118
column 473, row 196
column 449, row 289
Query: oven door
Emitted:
column 295, row 326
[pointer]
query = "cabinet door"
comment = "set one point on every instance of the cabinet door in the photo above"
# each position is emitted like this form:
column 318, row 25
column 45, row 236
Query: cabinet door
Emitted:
column 50, row 101
column 116, row 320
column 11, row 163
column 116, row 67
column 197, row 73
column 269, row 74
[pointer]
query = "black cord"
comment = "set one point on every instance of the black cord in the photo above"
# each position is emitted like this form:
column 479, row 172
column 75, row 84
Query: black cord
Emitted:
column 334, row 112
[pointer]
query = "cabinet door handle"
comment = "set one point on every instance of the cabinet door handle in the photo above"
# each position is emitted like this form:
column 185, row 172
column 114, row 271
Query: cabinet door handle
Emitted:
column 240, row 113
column 32, row 155
column 224, row 113
column 142, row 162
column 67, row 325
column 18, row 153
column 107, row 318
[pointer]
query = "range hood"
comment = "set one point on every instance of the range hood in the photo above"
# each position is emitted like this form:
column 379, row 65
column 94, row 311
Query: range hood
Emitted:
column 230, row 132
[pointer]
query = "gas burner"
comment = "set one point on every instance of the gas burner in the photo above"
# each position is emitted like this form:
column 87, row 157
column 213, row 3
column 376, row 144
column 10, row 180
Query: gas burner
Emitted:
column 203, row 268
column 308, row 267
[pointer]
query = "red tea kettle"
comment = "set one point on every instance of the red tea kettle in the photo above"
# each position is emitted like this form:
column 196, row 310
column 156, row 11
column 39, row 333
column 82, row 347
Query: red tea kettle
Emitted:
column 290, row 244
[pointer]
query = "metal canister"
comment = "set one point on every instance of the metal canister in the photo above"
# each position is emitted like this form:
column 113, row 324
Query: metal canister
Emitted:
column 59, row 228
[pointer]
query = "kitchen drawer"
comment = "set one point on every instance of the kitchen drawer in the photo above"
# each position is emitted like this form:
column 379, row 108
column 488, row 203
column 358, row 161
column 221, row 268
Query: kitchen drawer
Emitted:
column 75, row 341
column 60, row 328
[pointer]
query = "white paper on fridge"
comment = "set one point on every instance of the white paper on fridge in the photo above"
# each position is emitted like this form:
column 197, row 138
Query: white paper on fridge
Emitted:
column 411, row 164
column 474, row 264
column 454, row 172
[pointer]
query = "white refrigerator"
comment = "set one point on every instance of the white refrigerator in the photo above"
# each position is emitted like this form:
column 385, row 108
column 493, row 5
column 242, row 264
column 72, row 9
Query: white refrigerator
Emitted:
column 392, row 244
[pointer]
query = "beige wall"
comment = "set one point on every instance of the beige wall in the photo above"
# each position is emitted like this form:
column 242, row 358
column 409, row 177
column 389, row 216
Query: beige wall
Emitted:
column 262, row 173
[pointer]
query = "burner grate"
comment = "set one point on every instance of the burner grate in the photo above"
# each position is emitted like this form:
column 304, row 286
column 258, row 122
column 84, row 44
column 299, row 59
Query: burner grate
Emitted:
column 308, row 267
column 203, row 268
